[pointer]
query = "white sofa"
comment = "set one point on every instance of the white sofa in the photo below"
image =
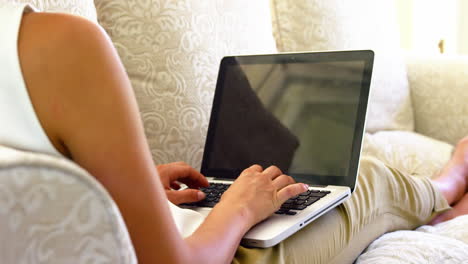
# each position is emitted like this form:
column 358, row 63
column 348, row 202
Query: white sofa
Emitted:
column 51, row 211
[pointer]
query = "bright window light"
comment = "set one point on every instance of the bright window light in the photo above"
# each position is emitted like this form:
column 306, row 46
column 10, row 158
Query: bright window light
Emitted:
column 432, row 26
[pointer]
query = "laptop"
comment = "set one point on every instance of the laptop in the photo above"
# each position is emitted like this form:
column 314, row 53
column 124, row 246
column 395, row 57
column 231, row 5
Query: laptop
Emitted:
column 303, row 112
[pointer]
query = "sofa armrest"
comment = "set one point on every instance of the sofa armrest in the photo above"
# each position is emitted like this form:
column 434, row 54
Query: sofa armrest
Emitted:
column 439, row 91
column 52, row 211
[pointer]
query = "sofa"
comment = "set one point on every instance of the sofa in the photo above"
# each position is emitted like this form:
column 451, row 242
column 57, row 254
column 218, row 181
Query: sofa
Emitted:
column 52, row 211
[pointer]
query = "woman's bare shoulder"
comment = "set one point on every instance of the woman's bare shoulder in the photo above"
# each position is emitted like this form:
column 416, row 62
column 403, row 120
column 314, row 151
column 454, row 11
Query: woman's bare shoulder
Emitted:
column 55, row 32
column 56, row 51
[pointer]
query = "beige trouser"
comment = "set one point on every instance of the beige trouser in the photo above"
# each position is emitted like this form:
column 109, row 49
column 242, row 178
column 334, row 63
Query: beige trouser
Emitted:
column 385, row 200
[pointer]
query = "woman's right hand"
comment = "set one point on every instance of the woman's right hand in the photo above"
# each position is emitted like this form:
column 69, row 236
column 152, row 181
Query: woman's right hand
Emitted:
column 258, row 193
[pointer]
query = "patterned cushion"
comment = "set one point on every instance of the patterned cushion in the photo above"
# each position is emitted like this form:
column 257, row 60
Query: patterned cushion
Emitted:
column 342, row 24
column 83, row 8
column 408, row 152
column 171, row 50
column 439, row 88
column 446, row 242
column 52, row 211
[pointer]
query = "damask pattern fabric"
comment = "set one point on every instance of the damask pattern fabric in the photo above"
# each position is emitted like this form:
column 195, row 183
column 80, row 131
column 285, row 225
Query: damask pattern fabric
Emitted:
column 84, row 8
column 444, row 243
column 51, row 211
column 313, row 25
column 172, row 50
column 409, row 152
column 439, row 88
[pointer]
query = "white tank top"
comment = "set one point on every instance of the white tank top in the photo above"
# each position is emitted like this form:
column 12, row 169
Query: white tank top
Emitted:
column 19, row 125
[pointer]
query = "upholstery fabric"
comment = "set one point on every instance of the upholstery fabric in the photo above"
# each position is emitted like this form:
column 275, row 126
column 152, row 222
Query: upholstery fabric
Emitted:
column 444, row 243
column 52, row 211
column 409, row 152
column 313, row 25
column 171, row 51
column 84, row 8
column 439, row 88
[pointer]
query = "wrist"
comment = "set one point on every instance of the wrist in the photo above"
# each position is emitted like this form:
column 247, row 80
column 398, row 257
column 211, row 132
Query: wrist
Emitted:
column 239, row 214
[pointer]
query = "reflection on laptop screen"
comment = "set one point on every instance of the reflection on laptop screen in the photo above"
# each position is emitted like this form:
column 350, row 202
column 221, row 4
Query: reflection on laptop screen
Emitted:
column 299, row 116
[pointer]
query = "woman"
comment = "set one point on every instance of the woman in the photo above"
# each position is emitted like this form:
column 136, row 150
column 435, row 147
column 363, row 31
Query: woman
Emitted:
column 63, row 77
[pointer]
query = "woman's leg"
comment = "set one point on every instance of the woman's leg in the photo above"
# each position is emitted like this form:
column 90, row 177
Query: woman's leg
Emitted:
column 385, row 200
column 452, row 177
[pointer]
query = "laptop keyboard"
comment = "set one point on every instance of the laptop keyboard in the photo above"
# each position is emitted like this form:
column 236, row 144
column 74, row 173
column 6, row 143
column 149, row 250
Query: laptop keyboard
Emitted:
column 299, row 202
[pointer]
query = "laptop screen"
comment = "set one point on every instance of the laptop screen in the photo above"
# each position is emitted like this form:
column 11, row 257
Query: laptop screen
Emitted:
column 303, row 112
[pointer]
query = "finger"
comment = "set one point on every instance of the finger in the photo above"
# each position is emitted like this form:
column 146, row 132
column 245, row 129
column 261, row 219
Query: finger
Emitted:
column 291, row 191
column 180, row 172
column 185, row 196
column 252, row 169
column 272, row 172
column 282, row 181
column 188, row 175
column 179, row 163
column 255, row 167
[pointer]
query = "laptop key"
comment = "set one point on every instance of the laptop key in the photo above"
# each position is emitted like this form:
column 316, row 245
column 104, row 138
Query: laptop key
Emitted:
column 290, row 212
column 280, row 211
column 287, row 206
column 310, row 201
column 320, row 194
column 300, row 207
column 299, row 202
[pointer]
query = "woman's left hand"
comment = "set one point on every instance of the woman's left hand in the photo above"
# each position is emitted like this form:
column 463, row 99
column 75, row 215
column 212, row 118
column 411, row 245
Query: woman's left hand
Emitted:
column 172, row 174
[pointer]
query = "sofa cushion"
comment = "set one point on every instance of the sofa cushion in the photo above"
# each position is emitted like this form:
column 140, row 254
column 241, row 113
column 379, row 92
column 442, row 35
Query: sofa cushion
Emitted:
column 83, row 8
column 52, row 211
column 446, row 242
column 302, row 25
column 409, row 152
column 171, row 51
column 439, row 89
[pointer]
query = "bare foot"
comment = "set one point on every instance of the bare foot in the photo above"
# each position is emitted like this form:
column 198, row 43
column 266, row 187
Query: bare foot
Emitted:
column 453, row 180
column 461, row 208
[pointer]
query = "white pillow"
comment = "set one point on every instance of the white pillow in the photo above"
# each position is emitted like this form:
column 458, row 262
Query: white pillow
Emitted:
column 83, row 8
column 171, row 51
column 439, row 88
column 415, row 247
column 409, row 152
column 313, row 25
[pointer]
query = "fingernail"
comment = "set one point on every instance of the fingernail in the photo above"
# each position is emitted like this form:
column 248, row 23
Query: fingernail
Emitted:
column 201, row 195
column 306, row 186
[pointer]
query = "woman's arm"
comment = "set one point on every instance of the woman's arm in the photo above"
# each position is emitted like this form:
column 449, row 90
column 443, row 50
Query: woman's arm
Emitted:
column 85, row 103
